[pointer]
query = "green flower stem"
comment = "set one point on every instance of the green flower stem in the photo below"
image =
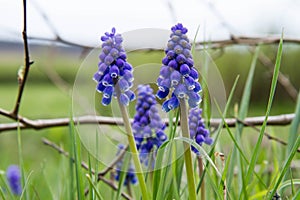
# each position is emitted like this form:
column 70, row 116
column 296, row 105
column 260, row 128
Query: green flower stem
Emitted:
column 200, row 167
column 187, row 148
column 132, row 146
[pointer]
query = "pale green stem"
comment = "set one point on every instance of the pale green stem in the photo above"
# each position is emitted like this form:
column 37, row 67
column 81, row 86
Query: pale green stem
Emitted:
column 187, row 149
column 200, row 166
column 21, row 162
column 132, row 146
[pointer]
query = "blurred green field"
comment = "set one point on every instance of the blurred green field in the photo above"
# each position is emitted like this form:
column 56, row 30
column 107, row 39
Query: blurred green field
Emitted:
column 44, row 98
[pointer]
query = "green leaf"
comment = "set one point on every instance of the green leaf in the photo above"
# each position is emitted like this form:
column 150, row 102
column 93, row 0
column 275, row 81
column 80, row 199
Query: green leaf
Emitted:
column 284, row 168
column 123, row 173
column 157, row 182
column 21, row 162
column 90, row 175
column 218, row 131
column 94, row 187
column 262, row 130
column 201, row 150
column 242, row 114
column 6, row 188
column 294, row 130
column 288, row 183
column 77, row 159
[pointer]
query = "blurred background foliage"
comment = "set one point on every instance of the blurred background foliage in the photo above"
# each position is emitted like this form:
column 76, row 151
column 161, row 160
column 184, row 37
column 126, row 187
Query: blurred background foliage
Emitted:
column 48, row 92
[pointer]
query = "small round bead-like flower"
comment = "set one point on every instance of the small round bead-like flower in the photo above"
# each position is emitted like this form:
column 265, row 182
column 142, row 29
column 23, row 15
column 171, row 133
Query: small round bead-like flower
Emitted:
column 148, row 128
column 198, row 132
column 130, row 176
column 13, row 176
column 114, row 69
column 177, row 75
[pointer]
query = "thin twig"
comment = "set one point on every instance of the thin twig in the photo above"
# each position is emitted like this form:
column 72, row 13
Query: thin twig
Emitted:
column 282, row 79
column 114, row 162
column 83, row 165
column 27, row 62
column 100, row 175
column 253, row 41
column 38, row 124
column 270, row 137
column 246, row 41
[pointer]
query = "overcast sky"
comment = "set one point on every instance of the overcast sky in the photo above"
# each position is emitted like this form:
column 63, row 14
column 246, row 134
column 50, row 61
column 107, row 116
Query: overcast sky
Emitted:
column 85, row 21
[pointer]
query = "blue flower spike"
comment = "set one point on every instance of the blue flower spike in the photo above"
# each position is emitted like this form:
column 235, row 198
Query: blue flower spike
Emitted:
column 13, row 176
column 113, row 69
column 148, row 128
column 130, row 176
column 178, row 75
column 198, row 132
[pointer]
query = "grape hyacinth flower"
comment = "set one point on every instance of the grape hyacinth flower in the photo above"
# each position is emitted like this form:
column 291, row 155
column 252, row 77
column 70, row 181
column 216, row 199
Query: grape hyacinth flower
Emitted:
column 198, row 132
column 148, row 128
column 130, row 176
column 13, row 176
column 114, row 78
column 114, row 69
column 177, row 75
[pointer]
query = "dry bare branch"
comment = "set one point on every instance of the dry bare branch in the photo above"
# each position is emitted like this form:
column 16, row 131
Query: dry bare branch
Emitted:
column 270, row 137
column 246, row 41
column 83, row 165
column 278, row 120
column 23, row 76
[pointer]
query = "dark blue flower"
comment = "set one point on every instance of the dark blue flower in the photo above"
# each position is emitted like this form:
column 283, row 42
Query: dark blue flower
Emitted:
column 198, row 132
column 177, row 75
column 13, row 176
column 113, row 69
column 148, row 128
column 130, row 176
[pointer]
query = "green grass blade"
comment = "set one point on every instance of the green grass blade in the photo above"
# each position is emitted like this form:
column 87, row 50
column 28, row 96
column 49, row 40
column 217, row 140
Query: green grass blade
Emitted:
column 71, row 164
column 294, row 130
column 220, row 127
column 194, row 41
column 206, row 156
column 2, row 194
column 160, row 172
column 5, row 186
column 288, row 183
column 284, row 168
column 77, row 159
column 123, row 173
column 210, row 181
column 244, row 106
column 90, row 175
column 295, row 144
column 176, row 172
column 157, row 182
column 297, row 196
column 179, row 170
column 94, row 187
column 21, row 162
column 243, row 111
column 262, row 130
column 200, row 149
column 238, row 146
column 173, row 128
column 26, row 185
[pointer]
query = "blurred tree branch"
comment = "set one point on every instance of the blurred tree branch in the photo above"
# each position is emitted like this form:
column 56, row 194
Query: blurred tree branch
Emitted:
column 252, row 41
column 278, row 120
column 246, row 41
column 85, row 166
